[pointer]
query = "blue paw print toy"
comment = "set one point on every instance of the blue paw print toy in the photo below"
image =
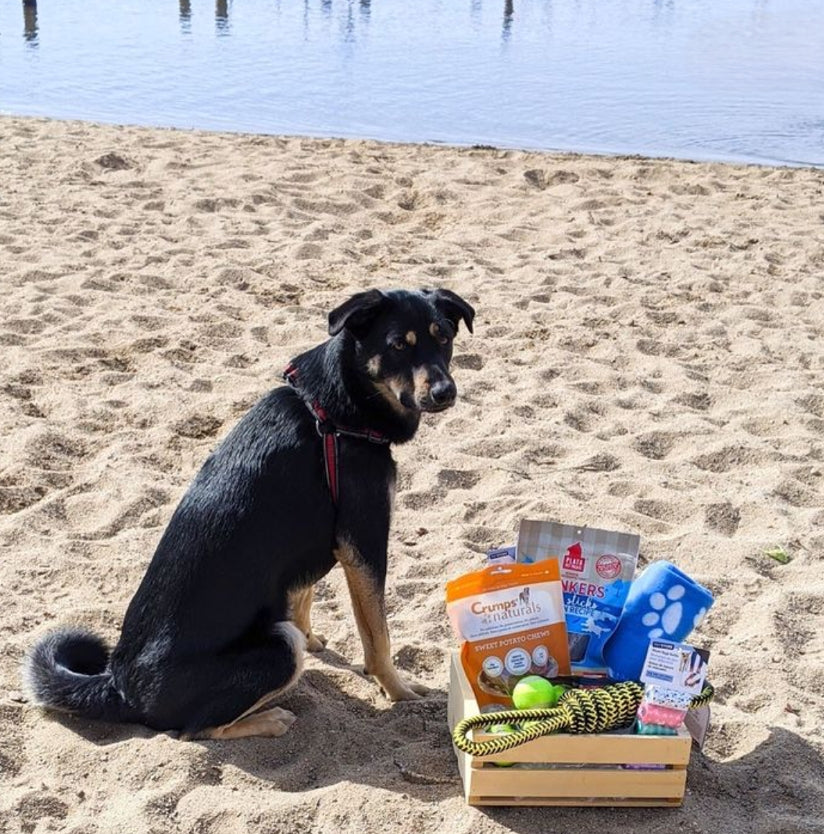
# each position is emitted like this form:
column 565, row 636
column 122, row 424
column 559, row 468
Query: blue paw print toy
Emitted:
column 663, row 603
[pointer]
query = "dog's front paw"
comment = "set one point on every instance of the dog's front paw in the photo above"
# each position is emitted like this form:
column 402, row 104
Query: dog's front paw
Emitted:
column 419, row 688
column 407, row 691
column 315, row 642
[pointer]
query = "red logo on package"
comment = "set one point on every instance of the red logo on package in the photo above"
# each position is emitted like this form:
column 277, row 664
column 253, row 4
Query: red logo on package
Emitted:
column 608, row 566
column 574, row 559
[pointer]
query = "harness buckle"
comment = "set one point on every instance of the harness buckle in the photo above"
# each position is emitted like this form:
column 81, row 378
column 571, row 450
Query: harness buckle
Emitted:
column 324, row 427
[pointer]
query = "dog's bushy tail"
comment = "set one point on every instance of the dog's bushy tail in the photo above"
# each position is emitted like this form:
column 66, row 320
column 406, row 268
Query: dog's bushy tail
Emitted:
column 67, row 670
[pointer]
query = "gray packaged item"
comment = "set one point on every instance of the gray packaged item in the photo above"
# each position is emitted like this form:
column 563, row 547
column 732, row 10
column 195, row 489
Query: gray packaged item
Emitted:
column 597, row 568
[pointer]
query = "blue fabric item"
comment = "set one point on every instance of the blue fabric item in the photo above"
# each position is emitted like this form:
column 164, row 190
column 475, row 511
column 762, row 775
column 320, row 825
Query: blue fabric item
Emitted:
column 663, row 603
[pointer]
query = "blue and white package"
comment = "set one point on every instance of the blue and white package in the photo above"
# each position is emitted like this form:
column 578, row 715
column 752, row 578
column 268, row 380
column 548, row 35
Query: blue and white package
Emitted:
column 501, row 555
column 597, row 567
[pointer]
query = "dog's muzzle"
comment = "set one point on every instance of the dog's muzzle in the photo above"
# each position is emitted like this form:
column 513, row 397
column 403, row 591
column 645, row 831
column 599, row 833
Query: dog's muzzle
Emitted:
column 441, row 396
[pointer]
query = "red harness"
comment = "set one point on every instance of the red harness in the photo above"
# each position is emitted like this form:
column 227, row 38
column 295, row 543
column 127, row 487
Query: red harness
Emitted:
column 329, row 434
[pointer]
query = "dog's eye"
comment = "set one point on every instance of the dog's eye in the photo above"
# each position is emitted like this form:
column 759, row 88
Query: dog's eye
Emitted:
column 440, row 335
column 398, row 344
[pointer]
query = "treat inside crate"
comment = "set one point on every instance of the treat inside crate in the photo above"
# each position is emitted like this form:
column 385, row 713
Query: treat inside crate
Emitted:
column 617, row 768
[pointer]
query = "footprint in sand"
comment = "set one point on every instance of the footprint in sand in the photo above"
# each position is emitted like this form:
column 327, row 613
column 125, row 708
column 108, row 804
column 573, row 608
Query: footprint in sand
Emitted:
column 50, row 450
column 797, row 495
column 37, row 806
column 468, row 361
column 655, row 445
column 723, row 518
column 699, row 401
column 198, row 426
column 458, row 479
column 16, row 498
column 727, row 458
column 308, row 251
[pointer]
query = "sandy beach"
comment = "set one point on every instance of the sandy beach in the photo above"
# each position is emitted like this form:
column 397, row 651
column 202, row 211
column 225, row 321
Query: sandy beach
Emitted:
column 647, row 357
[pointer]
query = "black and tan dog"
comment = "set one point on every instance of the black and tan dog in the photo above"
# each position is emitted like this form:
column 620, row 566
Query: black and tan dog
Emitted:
column 217, row 628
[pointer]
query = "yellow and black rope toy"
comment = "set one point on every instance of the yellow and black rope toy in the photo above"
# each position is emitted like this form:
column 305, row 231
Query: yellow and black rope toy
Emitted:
column 579, row 711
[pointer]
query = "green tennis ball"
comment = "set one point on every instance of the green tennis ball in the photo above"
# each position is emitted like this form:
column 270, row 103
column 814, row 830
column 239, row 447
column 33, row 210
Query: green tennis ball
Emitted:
column 502, row 730
column 559, row 691
column 534, row 692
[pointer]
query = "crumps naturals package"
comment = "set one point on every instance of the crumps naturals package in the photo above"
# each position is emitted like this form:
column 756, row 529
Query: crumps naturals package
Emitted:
column 510, row 621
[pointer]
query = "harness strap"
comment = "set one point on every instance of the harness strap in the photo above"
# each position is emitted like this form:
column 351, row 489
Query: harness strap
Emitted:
column 329, row 433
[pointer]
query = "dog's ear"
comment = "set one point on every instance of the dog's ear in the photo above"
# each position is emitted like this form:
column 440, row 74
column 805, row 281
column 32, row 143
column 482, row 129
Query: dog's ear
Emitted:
column 453, row 307
column 357, row 313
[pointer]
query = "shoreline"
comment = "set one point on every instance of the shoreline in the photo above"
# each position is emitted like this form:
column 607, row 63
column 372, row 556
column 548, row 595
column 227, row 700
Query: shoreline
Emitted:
column 738, row 162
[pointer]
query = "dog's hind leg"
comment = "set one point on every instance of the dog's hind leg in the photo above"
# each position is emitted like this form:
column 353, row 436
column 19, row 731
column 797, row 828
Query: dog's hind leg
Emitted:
column 266, row 723
column 236, row 692
column 300, row 607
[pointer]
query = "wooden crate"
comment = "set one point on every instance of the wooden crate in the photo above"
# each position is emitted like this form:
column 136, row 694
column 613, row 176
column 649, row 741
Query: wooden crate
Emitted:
column 565, row 769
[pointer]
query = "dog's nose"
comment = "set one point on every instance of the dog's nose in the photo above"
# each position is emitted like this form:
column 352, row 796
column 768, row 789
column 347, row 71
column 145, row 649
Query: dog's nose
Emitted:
column 443, row 392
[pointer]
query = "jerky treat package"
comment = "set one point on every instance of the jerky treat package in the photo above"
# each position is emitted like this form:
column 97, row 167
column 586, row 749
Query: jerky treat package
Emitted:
column 597, row 567
column 510, row 620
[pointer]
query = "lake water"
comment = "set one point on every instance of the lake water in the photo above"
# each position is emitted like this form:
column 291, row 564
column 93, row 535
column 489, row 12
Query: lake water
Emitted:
column 735, row 80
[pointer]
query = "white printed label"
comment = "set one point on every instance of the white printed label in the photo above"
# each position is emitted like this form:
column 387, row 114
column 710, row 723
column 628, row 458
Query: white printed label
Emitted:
column 517, row 662
column 540, row 655
column 493, row 666
column 496, row 613
column 674, row 665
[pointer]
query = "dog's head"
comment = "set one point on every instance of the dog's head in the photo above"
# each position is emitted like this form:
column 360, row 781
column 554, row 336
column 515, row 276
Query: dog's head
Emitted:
column 403, row 343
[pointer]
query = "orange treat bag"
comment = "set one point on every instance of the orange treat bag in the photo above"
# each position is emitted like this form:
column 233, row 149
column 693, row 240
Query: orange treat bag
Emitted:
column 510, row 619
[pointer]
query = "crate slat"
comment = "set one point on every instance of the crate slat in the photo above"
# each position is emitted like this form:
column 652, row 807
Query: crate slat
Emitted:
column 596, row 749
column 461, row 704
column 630, row 784
column 578, row 802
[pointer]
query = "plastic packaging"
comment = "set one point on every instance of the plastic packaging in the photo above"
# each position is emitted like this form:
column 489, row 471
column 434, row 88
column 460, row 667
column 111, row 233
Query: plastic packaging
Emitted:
column 510, row 619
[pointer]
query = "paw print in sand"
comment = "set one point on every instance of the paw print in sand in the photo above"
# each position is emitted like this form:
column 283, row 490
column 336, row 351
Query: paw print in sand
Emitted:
column 667, row 613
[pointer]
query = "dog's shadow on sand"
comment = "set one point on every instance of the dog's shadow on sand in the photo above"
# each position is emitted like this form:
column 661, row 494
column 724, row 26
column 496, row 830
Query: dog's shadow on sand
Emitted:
column 338, row 737
column 344, row 737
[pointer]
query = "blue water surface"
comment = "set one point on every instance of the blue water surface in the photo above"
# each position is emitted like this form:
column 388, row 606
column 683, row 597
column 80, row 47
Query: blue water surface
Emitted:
column 738, row 80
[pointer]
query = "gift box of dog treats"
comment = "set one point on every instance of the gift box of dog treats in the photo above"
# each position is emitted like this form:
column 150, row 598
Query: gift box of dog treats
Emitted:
column 596, row 736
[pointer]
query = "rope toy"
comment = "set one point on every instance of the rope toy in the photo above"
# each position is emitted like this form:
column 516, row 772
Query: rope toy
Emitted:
column 578, row 711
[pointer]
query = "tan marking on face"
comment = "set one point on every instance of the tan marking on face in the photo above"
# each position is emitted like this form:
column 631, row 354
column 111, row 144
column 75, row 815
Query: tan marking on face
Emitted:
column 411, row 338
column 399, row 386
column 434, row 330
column 391, row 390
column 373, row 366
column 420, row 383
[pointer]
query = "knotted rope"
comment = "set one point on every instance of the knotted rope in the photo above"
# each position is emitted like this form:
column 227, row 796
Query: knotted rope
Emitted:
column 579, row 711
